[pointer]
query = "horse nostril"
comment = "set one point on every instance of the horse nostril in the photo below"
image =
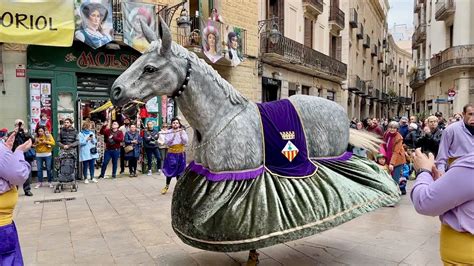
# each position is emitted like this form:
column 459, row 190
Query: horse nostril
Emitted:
column 116, row 93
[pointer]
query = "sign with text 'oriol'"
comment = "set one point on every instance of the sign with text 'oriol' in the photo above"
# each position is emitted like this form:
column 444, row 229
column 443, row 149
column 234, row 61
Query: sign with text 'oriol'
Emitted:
column 42, row 22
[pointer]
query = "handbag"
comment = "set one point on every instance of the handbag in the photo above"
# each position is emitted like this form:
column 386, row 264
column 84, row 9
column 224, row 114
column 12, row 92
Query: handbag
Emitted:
column 128, row 148
column 93, row 150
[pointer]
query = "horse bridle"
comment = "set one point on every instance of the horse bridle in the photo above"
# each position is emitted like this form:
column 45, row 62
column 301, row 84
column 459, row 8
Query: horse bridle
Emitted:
column 184, row 85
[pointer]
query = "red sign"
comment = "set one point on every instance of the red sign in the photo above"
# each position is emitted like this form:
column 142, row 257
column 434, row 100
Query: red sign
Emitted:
column 20, row 71
column 451, row 93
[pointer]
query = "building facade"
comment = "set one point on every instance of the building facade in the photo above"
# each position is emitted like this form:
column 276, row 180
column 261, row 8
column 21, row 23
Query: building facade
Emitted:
column 363, row 50
column 397, row 81
column 443, row 53
column 306, row 59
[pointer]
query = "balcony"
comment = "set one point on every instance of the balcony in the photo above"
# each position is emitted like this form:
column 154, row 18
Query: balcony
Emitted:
column 417, row 79
column 336, row 19
column 353, row 20
column 371, row 92
column 444, row 10
column 453, row 57
column 378, row 95
column 293, row 55
column 405, row 100
column 374, row 50
column 190, row 38
column 380, row 57
column 313, row 8
column 419, row 35
column 366, row 43
column 384, row 98
column 356, row 85
column 360, row 32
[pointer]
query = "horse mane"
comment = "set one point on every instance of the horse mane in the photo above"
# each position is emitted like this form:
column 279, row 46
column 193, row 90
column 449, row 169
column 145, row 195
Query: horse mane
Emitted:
column 230, row 92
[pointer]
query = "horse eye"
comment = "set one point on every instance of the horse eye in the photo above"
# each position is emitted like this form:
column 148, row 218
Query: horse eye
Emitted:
column 149, row 69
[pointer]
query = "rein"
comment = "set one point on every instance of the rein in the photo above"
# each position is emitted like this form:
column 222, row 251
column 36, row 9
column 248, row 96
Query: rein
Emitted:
column 183, row 86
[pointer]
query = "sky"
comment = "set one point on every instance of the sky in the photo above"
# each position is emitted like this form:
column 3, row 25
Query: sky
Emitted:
column 401, row 12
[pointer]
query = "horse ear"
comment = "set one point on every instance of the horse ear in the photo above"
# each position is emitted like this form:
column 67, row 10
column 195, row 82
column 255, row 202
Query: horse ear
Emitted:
column 165, row 34
column 150, row 36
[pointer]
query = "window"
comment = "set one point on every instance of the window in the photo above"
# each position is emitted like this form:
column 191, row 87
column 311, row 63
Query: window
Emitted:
column 291, row 89
column 305, row 90
column 331, row 95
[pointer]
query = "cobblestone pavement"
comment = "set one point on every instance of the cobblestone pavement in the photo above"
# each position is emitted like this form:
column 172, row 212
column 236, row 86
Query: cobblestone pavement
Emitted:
column 127, row 221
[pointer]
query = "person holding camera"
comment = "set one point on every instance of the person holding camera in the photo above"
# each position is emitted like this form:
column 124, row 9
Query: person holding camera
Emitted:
column 88, row 152
column 113, row 138
column 133, row 142
column 457, row 140
column 22, row 136
column 44, row 143
column 150, row 142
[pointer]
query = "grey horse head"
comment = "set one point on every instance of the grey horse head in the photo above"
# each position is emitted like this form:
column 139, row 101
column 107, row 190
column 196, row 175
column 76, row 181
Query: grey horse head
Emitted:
column 159, row 71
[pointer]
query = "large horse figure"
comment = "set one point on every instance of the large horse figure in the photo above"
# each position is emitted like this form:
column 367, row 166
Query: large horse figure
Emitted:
column 228, row 199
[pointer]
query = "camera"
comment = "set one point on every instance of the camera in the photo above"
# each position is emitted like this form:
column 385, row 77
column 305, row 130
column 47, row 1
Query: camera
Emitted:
column 91, row 135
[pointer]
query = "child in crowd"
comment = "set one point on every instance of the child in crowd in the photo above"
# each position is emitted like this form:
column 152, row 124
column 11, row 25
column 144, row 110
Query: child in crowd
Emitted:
column 382, row 162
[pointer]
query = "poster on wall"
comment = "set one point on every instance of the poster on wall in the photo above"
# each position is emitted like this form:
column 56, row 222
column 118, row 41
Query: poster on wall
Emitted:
column 169, row 110
column 132, row 30
column 40, row 102
column 211, row 40
column 94, row 22
column 234, row 45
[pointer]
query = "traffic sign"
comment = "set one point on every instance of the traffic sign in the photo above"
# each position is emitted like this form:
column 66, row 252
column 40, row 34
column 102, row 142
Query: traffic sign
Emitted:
column 451, row 93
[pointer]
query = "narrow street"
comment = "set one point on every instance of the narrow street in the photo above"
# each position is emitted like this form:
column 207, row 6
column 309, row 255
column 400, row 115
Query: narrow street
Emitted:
column 127, row 221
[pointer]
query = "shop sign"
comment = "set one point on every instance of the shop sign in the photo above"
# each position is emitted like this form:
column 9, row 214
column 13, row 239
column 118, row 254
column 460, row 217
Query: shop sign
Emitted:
column 80, row 57
column 20, row 71
column 102, row 60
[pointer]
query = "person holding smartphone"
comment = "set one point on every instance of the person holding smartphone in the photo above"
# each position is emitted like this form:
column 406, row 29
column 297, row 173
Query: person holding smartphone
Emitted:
column 88, row 152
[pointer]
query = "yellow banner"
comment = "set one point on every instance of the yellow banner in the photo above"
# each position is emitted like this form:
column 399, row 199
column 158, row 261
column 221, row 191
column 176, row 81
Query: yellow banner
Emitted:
column 42, row 22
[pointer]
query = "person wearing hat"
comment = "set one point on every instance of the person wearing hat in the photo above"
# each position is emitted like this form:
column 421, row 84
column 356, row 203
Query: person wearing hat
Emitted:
column 92, row 31
column 3, row 135
column 210, row 45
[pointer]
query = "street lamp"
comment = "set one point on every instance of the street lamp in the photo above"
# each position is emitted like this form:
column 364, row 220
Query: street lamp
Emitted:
column 274, row 33
column 169, row 12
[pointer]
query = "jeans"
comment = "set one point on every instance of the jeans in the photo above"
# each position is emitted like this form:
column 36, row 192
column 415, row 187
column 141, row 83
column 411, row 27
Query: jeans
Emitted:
column 39, row 162
column 88, row 165
column 132, row 165
column 150, row 152
column 122, row 159
column 396, row 174
column 110, row 154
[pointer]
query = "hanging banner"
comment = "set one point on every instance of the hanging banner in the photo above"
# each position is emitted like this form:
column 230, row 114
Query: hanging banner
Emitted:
column 94, row 22
column 234, row 45
column 132, row 30
column 211, row 40
column 37, row 22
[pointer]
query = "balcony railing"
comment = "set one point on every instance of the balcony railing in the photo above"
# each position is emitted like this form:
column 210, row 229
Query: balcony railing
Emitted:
column 420, row 34
column 360, row 32
column 371, row 91
column 353, row 19
column 417, row 79
column 336, row 17
column 385, row 97
column 356, row 84
column 457, row 56
column 191, row 38
column 313, row 7
column 293, row 52
column 366, row 43
column 444, row 9
column 378, row 95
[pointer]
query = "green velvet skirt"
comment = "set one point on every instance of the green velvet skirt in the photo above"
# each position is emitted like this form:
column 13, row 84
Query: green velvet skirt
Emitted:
column 231, row 216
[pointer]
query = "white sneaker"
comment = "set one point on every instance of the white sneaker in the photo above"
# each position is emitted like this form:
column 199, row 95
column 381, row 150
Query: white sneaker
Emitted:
column 38, row 185
column 86, row 181
column 51, row 185
column 95, row 180
column 149, row 172
column 159, row 171
column 107, row 177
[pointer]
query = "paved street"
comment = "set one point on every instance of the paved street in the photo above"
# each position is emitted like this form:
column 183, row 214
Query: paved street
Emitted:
column 127, row 221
